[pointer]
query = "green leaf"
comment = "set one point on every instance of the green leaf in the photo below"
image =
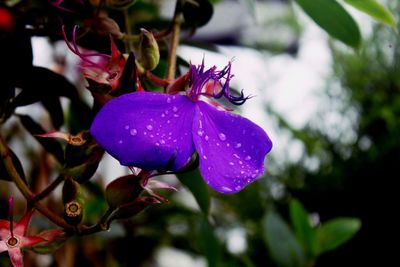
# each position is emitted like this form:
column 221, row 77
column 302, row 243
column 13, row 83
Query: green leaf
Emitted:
column 334, row 19
column 208, row 243
column 375, row 10
column 284, row 248
column 336, row 232
column 302, row 227
column 194, row 182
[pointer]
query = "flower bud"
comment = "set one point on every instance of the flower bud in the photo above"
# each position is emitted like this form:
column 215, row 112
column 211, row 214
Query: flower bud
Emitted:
column 148, row 52
column 123, row 190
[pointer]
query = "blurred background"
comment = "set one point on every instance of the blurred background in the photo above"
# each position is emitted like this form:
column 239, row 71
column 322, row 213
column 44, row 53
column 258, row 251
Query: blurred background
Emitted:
column 331, row 111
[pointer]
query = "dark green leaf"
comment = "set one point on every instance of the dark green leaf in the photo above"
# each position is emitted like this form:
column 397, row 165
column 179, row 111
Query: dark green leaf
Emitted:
column 52, row 146
column 283, row 246
column 336, row 232
column 40, row 83
column 208, row 243
column 375, row 10
column 334, row 19
column 194, row 182
column 17, row 164
column 53, row 106
column 302, row 227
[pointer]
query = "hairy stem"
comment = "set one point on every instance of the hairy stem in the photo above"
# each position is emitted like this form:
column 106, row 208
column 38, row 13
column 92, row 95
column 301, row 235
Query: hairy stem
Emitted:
column 175, row 34
column 48, row 189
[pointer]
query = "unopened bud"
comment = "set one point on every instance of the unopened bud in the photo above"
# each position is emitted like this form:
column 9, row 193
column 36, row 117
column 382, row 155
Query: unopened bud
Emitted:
column 148, row 52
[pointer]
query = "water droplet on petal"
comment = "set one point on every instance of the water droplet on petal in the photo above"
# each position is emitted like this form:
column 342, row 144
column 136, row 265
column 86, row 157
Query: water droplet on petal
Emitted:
column 176, row 115
column 241, row 172
column 157, row 144
column 236, row 156
column 200, row 132
column 163, row 115
column 168, row 100
column 126, row 127
column 240, row 162
column 149, row 127
column 133, row 132
column 204, row 157
column 231, row 163
column 174, row 109
column 222, row 136
column 238, row 145
column 168, row 121
column 206, row 137
column 247, row 158
column 228, row 145
column 151, row 136
column 238, row 187
column 120, row 142
column 162, row 141
column 226, row 189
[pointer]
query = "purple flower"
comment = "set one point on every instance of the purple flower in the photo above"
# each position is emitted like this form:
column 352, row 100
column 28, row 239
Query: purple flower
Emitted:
column 155, row 131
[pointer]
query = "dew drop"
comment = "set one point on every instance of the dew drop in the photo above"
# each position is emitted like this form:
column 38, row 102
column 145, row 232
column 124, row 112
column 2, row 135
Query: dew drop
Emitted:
column 162, row 115
column 206, row 137
column 174, row 140
column 176, row 115
column 247, row 158
column 226, row 189
column 236, row 156
column 228, row 145
column 149, row 127
column 231, row 163
column 162, row 142
column 240, row 162
column 157, row 144
column 200, row 132
column 174, row 109
column 168, row 121
column 204, row 157
column 120, row 142
column 166, row 112
column 151, row 136
column 238, row 145
column 241, row 172
column 168, row 100
column 133, row 132
column 222, row 136
column 126, row 127
column 238, row 187
column 217, row 144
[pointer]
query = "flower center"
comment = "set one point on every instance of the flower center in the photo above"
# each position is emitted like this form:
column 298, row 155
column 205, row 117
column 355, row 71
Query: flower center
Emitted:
column 73, row 209
column 12, row 242
column 212, row 83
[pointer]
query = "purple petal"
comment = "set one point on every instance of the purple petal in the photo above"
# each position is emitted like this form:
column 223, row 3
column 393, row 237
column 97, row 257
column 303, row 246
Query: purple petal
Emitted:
column 147, row 130
column 231, row 148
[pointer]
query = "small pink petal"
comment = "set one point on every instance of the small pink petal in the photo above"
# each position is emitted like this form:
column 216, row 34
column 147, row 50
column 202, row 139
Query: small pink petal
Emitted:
column 16, row 257
column 3, row 246
column 29, row 241
column 51, row 235
column 22, row 225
